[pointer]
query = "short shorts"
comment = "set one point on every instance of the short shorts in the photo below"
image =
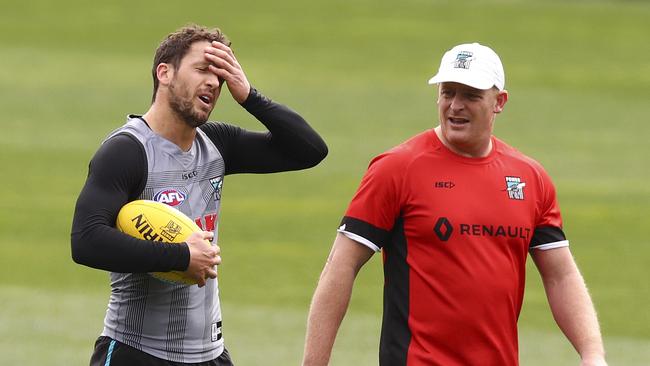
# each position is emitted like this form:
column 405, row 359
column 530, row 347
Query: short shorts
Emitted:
column 109, row 352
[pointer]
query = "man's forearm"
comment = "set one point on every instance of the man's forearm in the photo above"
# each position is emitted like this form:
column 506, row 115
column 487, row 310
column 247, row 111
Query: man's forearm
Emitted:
column 327, row 310
column 288, row 129
column 574, row 313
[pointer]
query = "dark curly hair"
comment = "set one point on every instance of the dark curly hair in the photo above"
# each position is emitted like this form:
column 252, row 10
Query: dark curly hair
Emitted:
column 174, row 47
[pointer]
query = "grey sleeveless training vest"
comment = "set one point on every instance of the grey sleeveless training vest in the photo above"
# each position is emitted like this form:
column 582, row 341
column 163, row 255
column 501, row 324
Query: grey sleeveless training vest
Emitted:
column 171, row 321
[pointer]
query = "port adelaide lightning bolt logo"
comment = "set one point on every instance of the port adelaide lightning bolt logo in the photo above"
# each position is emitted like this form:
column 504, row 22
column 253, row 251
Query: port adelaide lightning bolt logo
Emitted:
column 217, row 184
column 515, row 188
column 463, row 60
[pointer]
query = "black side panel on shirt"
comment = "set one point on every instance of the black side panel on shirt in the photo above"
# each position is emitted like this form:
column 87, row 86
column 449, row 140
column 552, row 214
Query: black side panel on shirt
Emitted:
column 289, row 144
column 117, row 174
column 545, row 235
column 395, row 334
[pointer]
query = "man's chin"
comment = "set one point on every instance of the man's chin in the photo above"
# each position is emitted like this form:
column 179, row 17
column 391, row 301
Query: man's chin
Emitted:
column 197, row 119
column 195, row 122
column 192, row 116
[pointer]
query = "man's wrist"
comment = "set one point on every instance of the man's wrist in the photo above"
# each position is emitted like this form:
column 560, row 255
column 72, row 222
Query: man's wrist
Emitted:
column 593, row 359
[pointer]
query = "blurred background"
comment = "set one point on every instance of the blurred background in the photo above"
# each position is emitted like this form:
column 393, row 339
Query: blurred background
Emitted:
column 578, row 73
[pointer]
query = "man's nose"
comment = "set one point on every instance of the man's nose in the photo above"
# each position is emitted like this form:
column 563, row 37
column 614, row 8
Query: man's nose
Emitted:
column 213, row 81
column 457, row 103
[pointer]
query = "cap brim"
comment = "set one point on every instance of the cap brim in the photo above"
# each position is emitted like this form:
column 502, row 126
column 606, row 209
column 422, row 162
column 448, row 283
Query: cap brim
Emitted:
column 463, row 78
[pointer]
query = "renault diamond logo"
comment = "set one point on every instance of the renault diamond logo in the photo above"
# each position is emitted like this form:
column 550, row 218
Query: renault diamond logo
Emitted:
column 443, row 229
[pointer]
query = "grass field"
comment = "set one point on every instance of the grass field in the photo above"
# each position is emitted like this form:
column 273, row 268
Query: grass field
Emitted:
column 578, row 73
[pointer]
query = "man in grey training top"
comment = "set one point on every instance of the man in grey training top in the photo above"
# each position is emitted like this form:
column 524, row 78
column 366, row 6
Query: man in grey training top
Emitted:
column 171, row 151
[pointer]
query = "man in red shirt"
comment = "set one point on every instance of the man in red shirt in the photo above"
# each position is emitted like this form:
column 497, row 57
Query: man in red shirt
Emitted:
column 455, row 211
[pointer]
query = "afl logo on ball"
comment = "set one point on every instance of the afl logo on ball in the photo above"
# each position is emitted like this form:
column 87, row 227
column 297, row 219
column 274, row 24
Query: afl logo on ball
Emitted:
column 171, row 197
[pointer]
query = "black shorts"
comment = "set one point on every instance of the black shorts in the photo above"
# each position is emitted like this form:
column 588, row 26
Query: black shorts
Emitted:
column 109, row 352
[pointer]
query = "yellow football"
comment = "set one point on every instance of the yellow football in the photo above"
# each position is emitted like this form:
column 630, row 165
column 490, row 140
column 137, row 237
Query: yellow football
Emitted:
column 151, row 220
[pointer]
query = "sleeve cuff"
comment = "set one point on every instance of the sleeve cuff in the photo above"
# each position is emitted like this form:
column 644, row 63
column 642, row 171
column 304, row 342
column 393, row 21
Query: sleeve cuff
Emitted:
column 253, row 98
column 359, row 239
column 557, row 244
column 548, row 237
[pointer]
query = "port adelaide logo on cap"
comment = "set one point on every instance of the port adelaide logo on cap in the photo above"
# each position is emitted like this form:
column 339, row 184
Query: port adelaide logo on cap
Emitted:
column 463, row 60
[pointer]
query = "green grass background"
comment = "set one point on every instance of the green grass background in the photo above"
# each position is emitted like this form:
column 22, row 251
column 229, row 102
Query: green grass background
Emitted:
column 578, row 73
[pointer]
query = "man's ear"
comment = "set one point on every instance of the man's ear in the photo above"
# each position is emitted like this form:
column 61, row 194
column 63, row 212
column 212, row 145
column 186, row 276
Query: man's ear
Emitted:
column 502, row 98
column 164, row 73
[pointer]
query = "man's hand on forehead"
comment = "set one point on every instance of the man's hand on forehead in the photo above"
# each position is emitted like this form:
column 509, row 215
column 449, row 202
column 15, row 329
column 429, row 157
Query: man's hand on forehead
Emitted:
column 223, row 63
column 220, row 55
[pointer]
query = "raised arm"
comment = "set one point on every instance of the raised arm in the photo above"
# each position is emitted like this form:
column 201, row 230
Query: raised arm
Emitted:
column 331, row 299
column 570, row 303
column 288, row 144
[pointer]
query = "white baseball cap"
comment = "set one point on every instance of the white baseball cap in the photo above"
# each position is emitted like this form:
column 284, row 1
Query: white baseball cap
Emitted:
column 471, row 64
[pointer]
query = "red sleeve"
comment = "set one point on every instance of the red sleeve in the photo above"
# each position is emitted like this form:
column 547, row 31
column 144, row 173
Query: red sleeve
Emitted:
column 377, row 203
column 548, row 226
column 550, row 209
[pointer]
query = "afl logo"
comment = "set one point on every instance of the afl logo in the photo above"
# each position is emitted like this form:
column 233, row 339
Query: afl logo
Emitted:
column 171, row 197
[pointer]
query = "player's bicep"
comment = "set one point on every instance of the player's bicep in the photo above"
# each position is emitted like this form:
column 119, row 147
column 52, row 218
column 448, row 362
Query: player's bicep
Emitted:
column 555, row 264
column 262, row 152
column 348, row 253
column 243, row 151
column 116, row 175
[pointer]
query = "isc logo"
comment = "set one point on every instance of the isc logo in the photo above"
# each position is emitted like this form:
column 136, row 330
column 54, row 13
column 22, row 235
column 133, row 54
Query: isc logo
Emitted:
column 448, row 184
column 171, row 197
